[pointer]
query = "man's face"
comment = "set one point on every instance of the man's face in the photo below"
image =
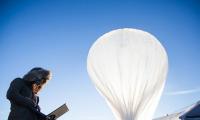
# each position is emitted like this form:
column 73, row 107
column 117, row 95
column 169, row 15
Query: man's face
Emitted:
column 36, row 88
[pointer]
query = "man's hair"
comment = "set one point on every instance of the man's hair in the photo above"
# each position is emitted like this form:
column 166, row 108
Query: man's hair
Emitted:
column 37, row 75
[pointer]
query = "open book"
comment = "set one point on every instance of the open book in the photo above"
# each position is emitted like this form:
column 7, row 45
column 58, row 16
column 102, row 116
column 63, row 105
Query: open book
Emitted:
column 59, row 111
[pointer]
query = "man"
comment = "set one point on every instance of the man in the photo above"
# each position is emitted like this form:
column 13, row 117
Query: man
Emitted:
column 22, row 95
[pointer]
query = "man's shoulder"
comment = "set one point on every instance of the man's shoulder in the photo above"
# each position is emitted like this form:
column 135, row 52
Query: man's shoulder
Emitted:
column 17, row 81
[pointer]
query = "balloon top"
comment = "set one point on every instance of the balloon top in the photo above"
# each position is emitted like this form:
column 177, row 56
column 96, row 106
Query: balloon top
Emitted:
column 129, row 68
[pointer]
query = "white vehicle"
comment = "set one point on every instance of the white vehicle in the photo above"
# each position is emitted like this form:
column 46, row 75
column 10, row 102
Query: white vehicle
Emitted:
column 190, row 113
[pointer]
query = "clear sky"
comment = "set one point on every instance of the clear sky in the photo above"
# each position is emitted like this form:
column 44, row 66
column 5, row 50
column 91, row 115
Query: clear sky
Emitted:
column 58, row 34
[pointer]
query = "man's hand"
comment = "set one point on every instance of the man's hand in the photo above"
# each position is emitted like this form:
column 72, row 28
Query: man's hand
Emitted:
column 51, row 117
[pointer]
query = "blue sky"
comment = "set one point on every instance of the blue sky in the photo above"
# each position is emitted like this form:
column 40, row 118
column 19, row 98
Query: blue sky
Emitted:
column 58, row 34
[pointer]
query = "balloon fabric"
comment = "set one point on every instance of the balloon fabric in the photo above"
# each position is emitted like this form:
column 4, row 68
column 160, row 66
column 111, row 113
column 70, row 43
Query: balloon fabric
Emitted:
column 129, row 69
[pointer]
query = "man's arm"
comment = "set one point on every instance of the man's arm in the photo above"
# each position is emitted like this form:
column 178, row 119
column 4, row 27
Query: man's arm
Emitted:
column 13, row 94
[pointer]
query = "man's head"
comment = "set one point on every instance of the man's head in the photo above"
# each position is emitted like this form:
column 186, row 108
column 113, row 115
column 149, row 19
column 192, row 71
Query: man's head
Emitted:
column 37, row 77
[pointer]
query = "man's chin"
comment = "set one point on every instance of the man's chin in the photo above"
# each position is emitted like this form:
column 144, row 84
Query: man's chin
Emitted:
column 35, row 92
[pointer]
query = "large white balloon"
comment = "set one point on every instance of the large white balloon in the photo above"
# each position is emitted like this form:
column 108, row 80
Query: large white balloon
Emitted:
column 129, row 68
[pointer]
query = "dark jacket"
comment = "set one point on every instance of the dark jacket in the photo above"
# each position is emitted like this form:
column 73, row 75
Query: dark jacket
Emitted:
column 24, row 104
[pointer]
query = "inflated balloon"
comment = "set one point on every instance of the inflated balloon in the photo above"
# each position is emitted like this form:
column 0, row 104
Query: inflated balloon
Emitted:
column 129, row 68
